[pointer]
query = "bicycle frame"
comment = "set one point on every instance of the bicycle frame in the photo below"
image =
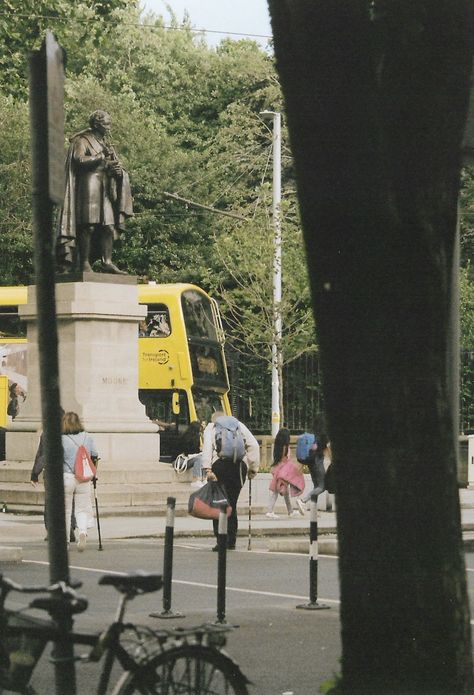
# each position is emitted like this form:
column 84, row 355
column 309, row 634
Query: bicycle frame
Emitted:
column 34, row 634
column 190, row 659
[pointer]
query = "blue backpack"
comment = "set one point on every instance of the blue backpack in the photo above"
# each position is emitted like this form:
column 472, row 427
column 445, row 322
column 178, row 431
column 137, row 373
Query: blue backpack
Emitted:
column 230, row 442
column 304, row 443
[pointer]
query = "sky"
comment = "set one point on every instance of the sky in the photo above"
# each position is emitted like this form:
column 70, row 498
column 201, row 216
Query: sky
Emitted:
column 236, row 16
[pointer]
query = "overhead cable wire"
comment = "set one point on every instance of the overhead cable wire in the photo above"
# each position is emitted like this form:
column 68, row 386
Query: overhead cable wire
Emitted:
column 248, row 170
column 215, row 169
column 139, row 25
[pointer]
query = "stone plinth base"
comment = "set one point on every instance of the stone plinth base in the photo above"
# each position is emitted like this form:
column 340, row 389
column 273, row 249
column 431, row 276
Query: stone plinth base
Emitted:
column 97, row 324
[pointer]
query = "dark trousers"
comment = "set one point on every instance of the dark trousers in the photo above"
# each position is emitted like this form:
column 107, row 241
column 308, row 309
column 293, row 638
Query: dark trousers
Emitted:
column 229, row 476
column 313, row 473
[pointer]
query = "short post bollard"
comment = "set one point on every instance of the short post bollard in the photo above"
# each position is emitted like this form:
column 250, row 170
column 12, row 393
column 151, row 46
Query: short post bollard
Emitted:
column 313, row 604
column 168, row 564
column 221, row 563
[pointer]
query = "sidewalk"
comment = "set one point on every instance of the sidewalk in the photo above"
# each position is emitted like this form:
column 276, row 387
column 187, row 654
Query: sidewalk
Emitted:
column 284, row 534
column 26, row 528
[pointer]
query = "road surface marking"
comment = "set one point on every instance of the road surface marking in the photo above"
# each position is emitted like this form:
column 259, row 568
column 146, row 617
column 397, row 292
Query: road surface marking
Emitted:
column 203, row 585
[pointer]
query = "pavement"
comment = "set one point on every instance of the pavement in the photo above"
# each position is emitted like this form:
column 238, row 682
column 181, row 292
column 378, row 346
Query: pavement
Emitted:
column 17, row 530
column 282, row 534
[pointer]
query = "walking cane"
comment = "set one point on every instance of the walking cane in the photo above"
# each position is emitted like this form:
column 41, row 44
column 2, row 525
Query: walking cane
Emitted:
column 94, row 483
column 249, row 544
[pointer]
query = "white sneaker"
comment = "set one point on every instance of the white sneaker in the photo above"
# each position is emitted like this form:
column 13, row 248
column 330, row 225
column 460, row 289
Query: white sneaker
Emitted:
column 272, row 515
column 301, row 506
column 198, row 483
column 295, row 513
column 81, row 543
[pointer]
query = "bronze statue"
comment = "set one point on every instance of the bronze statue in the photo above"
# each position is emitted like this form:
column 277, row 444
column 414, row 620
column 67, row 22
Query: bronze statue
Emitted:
column 97, row 199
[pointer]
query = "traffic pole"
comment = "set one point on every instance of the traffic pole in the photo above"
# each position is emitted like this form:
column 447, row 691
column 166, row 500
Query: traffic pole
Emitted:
column 313, row 604
column 168, row 564
column 221, row 563
column 249, row 544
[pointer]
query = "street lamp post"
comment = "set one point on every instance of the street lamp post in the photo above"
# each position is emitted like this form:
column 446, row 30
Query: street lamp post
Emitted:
column 277, row 322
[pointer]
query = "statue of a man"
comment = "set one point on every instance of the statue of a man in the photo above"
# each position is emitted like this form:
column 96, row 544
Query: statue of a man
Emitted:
column 97, row 199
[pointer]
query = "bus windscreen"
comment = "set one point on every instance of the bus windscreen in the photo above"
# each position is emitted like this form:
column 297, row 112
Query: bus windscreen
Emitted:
column 198, row 317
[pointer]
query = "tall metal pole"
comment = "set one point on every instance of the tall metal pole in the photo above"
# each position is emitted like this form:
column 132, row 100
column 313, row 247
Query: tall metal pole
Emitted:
column 276, row 347
column 277, row 322
column 43, row 183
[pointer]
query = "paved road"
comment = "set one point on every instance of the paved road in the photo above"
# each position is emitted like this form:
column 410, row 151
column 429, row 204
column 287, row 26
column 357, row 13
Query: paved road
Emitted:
column 263, row 590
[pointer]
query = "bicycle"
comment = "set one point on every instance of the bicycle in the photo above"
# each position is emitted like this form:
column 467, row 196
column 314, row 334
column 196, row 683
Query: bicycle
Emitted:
column 179, row 660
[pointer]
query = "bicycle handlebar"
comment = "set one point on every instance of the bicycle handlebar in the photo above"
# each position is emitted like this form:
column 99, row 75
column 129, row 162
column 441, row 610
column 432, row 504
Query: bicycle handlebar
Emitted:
column 61, row 595
column 60, row 587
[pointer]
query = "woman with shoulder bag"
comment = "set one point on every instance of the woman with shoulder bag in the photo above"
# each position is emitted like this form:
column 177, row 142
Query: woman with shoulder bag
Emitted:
column 72, row 438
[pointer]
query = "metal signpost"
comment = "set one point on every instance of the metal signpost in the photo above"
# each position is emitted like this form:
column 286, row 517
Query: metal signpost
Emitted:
column 47, row 140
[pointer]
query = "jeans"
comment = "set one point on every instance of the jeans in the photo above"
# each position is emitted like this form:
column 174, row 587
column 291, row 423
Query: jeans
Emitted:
column 272, row 498
column 81, row 492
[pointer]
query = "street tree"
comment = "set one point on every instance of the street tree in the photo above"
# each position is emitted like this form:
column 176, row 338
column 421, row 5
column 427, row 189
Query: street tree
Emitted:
column 376, row 97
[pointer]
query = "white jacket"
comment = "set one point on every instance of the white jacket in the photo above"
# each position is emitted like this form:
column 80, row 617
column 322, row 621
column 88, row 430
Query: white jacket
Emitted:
column 209, row 453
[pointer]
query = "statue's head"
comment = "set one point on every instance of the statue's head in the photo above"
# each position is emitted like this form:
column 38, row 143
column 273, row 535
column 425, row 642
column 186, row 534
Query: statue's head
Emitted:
column 100, row 120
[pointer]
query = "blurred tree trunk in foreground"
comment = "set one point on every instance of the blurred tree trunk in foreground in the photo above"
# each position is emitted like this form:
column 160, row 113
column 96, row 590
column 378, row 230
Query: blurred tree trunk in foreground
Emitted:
column 376, row 98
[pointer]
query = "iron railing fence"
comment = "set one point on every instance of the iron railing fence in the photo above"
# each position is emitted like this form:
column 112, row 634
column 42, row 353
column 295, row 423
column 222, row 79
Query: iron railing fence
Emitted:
column 250, row 379
column 251, row 388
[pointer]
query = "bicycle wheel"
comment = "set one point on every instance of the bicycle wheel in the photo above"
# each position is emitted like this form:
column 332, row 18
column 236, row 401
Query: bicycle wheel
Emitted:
column 187, row 670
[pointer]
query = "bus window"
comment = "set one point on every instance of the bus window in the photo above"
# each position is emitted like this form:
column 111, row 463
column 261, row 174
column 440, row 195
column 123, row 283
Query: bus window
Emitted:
column 158, row 324
column 198, row 316
column 14, row 363
column 207, row 403
column 159, row 408
column 11, row 326
column 207, row 364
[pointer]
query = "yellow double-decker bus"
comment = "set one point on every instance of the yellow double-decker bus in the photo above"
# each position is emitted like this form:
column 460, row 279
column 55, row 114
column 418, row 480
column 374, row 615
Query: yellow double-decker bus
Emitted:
column 182, row 373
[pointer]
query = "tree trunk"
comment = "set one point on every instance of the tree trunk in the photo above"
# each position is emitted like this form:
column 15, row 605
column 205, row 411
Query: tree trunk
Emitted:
column 376, row 97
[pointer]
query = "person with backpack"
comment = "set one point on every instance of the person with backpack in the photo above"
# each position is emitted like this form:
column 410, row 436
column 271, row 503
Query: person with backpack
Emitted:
column 287, row 476
column 318, row 456
column 74, row 439
column 306, row 447
column 230, row 453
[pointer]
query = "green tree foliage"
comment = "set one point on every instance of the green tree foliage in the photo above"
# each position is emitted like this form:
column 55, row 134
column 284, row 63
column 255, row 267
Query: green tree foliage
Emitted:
column 81, row 27
column 15, row 193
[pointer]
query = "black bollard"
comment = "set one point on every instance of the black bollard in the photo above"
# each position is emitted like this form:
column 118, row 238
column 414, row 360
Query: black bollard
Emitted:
column 168, row 564
column 313, row 604
column 221, row 563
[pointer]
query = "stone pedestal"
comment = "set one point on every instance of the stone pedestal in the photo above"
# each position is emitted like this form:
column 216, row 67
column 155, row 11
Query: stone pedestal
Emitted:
column 97, row 321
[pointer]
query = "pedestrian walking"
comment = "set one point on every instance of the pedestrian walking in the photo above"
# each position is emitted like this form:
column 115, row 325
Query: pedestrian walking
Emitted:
column 320, row 460
column 39, row 469
column 287, row 475
column 230, row 453
column 73, row 436
column 320, row 429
